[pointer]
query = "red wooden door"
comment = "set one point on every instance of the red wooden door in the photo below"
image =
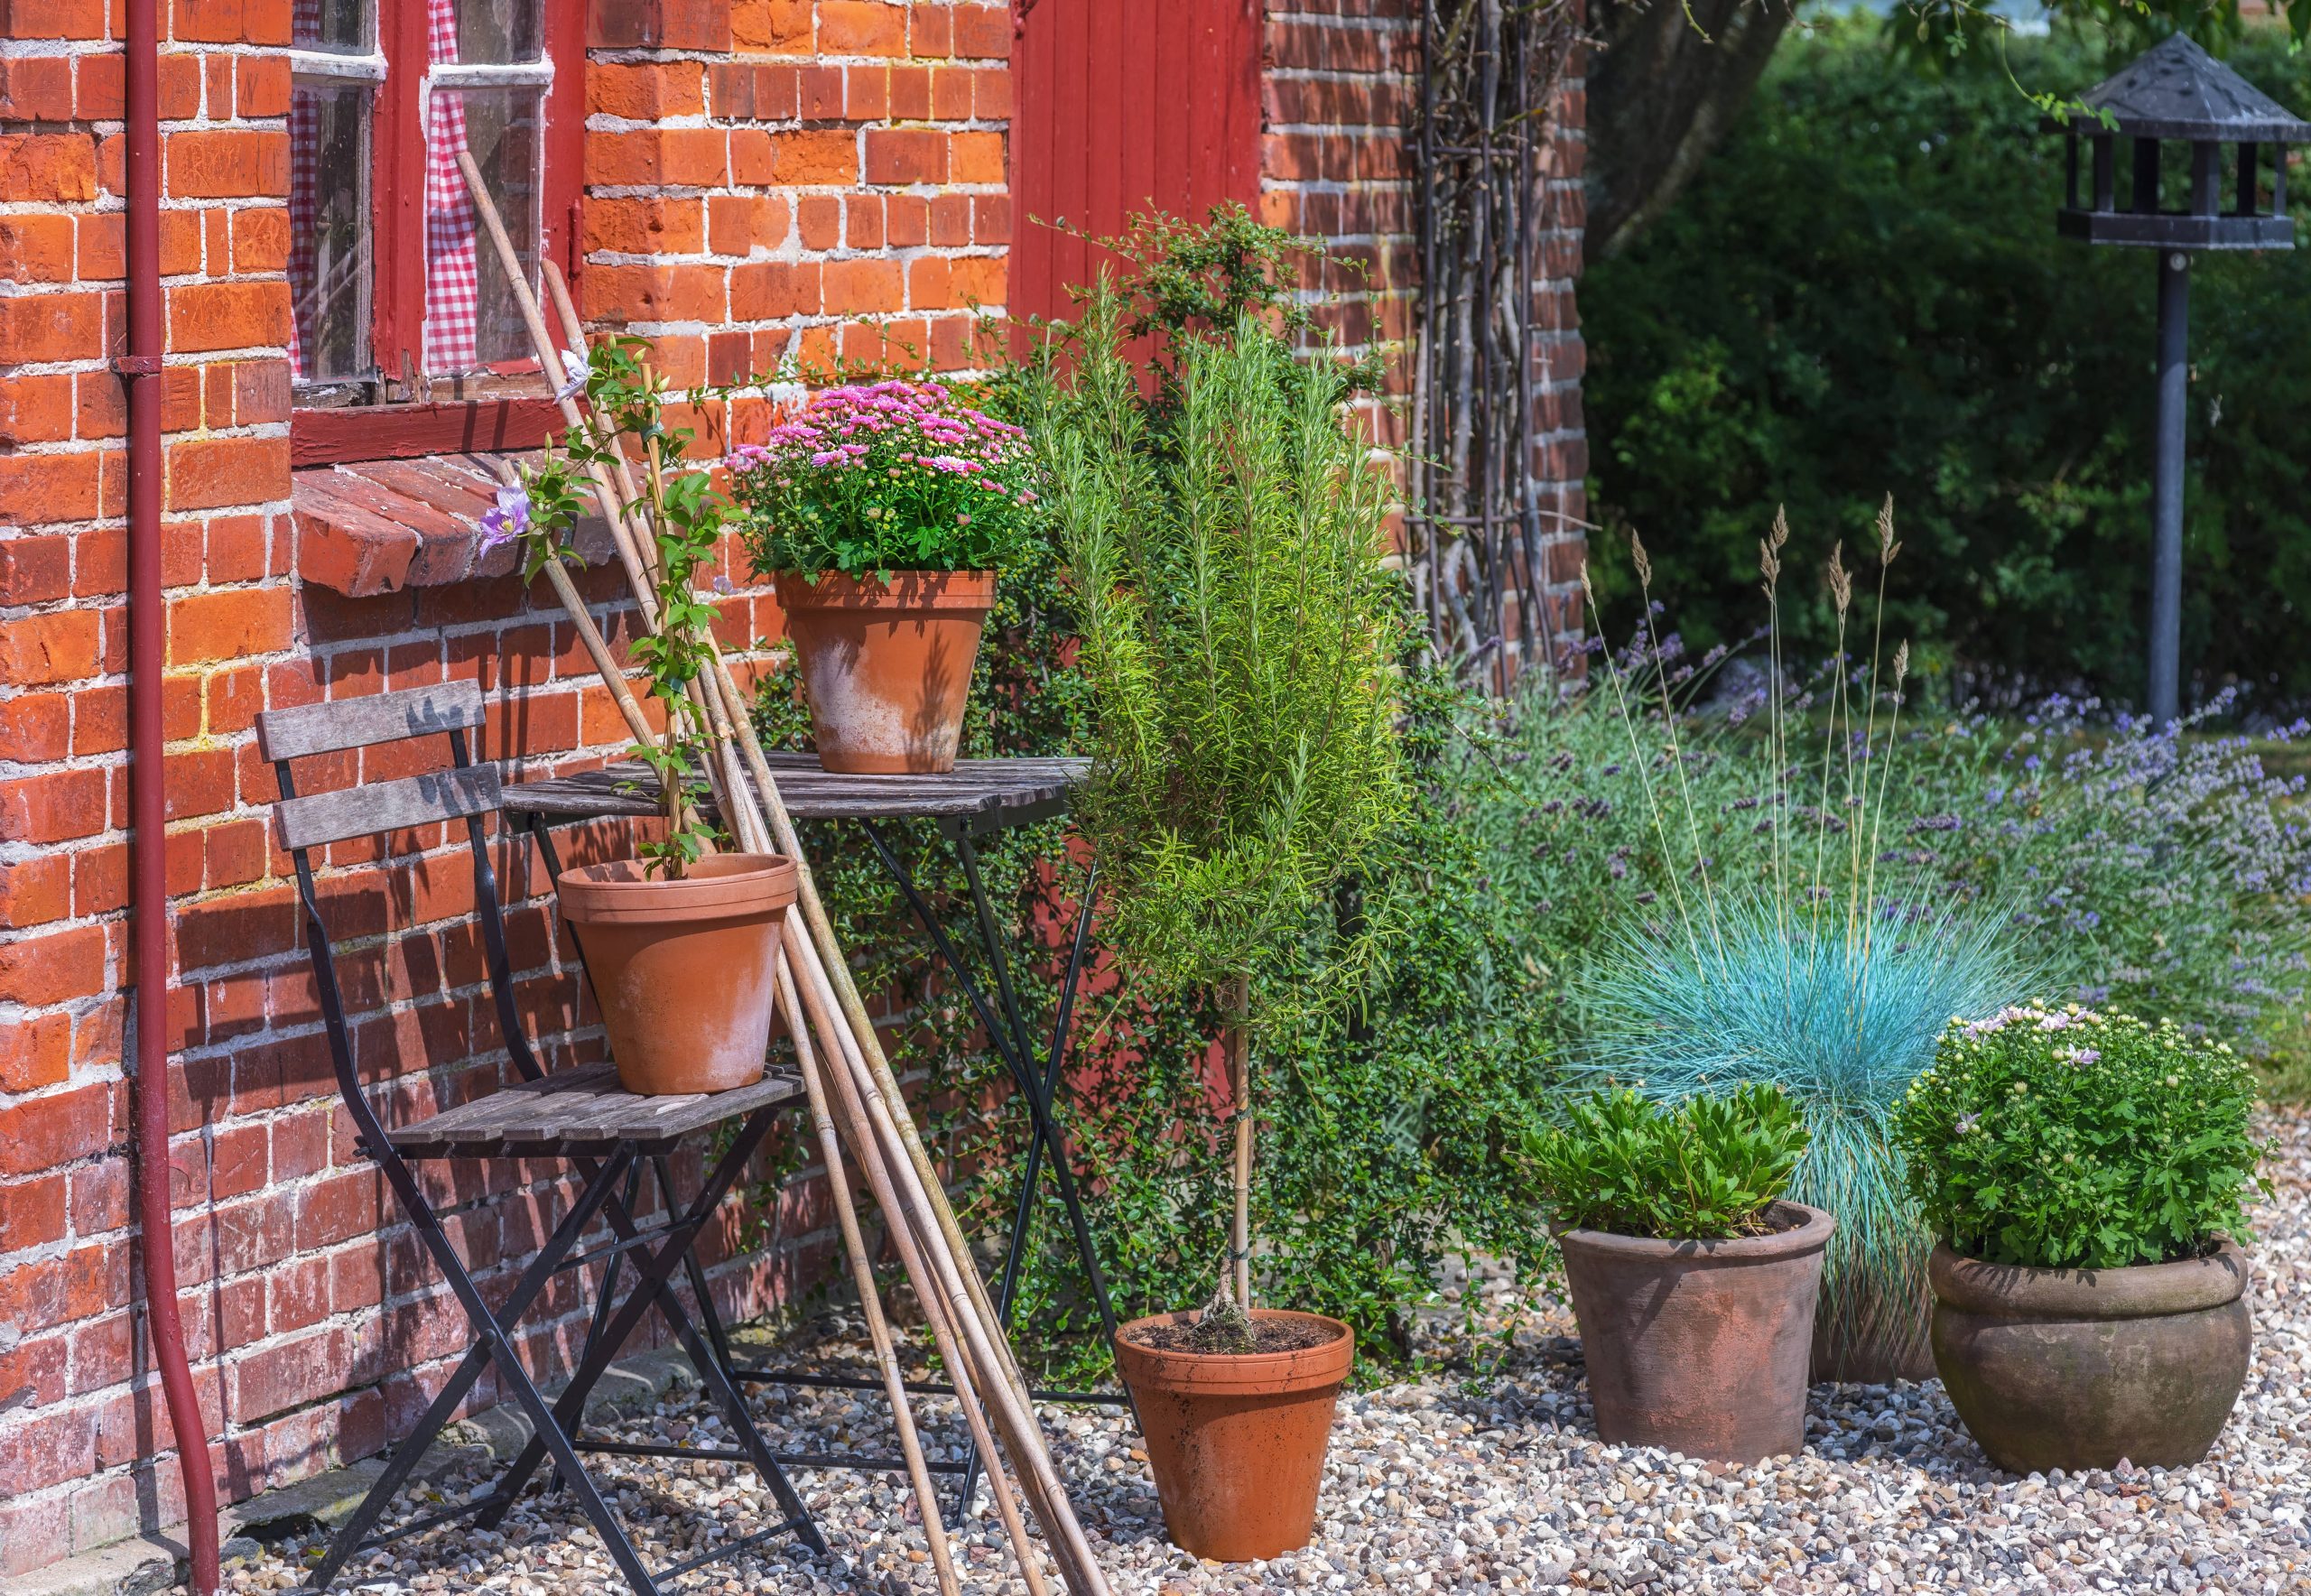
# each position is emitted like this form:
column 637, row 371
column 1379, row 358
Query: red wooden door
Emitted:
column 1121, row 105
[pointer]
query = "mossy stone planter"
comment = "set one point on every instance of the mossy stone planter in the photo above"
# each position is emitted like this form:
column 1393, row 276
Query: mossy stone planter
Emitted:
column 2074, row 1369
column 1701, row 1347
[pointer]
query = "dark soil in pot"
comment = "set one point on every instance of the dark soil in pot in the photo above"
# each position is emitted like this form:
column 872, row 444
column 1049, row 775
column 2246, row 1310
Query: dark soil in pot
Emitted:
column 683, row 969
column 886, row 665
column 1237, row 1441
column 1701, row 1347
column 2073, row 1368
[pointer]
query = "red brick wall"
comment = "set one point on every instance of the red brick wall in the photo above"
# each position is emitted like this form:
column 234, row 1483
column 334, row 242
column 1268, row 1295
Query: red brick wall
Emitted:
column 765, row 177
column 1343, row 89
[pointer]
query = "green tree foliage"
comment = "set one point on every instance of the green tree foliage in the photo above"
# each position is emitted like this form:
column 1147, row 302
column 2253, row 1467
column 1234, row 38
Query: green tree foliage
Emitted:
column 1863, row 292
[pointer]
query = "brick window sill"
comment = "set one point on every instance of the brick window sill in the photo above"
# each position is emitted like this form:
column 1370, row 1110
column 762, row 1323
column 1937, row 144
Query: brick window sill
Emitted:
column 383, row 525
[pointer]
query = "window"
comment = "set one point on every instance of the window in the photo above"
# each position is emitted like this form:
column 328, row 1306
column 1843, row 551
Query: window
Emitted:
column 397, row 294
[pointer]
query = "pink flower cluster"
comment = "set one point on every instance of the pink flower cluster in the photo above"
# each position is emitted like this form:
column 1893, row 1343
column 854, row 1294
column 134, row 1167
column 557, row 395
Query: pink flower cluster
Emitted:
column 829, row 430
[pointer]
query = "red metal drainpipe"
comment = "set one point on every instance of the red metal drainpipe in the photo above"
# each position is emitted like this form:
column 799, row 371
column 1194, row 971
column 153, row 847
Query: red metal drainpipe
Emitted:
column 147, row 657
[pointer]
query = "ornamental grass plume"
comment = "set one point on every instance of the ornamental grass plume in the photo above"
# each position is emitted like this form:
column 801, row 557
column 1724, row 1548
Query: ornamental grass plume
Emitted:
column 1824, row 978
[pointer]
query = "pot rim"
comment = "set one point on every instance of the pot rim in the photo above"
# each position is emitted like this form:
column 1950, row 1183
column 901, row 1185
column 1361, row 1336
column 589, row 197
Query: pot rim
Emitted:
column 738, row 886
column 2135, row 1291
column 1243, row 1374
column 960, row 590
column 1811, row 1236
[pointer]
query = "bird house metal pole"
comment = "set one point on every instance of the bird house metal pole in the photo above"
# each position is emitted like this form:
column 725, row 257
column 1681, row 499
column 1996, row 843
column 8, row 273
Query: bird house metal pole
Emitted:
column 2167, row 488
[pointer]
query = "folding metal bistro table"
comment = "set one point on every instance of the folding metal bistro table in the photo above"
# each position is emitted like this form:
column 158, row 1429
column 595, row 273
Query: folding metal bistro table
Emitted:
column 978, row 798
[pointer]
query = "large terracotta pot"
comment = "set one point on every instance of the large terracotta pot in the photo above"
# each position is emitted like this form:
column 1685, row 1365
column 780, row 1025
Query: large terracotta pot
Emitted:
column 683, row 969
column 1701, row 1347
column 887, row 667
column 1237, row 1443
column 2070, row 1368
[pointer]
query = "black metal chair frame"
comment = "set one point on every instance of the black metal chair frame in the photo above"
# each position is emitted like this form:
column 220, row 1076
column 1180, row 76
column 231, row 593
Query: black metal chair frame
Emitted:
column 1037, row 1078
column 623, row 1137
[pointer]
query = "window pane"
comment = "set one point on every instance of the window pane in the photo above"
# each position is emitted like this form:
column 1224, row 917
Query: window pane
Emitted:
column 496, row 32
column 470, row 316
column 330, row 25
column 329, row 231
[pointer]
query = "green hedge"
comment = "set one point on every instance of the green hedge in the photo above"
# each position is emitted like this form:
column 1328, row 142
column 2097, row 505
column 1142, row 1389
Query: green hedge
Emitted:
column 1862, row 294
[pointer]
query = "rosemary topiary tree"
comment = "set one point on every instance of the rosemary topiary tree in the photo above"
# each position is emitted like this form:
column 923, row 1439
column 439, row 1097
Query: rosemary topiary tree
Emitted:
column 1224, row 544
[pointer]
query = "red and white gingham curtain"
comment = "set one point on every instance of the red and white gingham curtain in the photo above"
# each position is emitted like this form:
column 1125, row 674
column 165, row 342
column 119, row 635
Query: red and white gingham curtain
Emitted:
column 452, row 272
column 453, row 279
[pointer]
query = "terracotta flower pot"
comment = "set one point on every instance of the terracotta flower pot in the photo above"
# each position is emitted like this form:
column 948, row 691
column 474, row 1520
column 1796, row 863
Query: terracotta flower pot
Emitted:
column 2072, row 1368
column 887, row 667
column 1237, row 1443
column 1701, row 1347
column 683, row 969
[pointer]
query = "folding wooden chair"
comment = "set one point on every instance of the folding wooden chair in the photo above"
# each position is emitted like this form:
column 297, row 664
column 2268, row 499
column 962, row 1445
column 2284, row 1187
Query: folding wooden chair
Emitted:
column 580, row 1116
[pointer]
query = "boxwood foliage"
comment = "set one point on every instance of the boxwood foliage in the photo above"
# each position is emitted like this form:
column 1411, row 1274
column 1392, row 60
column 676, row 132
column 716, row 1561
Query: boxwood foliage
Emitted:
column 2065, row 1138
column 1863, row 292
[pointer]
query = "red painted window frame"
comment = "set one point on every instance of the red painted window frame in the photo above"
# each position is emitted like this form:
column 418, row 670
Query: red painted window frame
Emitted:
column 322, row 436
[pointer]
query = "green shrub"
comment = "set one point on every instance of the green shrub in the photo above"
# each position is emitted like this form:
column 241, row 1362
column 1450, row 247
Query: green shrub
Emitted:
column 1863, row 292
column 1703, row 1170
column 2063, row 1138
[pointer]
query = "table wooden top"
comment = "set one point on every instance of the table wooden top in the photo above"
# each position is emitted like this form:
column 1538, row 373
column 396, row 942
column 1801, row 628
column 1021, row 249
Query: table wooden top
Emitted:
column 995, row 790
column 581, row 1110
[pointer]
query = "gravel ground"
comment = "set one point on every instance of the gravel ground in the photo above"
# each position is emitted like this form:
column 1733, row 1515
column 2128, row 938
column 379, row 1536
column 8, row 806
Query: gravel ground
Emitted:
column 1455, row 1485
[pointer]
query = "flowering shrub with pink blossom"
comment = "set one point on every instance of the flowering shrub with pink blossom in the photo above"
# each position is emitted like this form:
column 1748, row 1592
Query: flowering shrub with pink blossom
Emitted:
column 2057, row 1136
column 882, row 476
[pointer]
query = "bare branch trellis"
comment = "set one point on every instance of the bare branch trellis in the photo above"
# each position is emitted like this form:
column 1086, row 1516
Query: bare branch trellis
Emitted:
column 1490, row 71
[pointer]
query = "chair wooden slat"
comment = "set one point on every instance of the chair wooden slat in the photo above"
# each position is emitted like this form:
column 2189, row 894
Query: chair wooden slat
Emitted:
column 381, row 717
column 362, row 812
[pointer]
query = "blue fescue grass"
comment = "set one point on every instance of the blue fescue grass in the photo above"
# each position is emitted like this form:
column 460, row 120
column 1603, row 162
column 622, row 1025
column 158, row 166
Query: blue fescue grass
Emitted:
column 1840, row 1014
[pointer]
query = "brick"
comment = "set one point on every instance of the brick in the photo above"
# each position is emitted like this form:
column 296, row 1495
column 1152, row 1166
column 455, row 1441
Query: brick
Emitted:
column 646, row 90
column 818, row 222
column 208, row 473
column 228, row 163
column 35, row 728
column 262, row 86
column 814, row 156
column 32, row 1212
column 899, row 155
column 866, row 287
column 229, row 625
column 260, row 239
column 784, row 27
column 33, row 1053
column 648, row 158
column 57, row 646
column 35, row 569
column 664, row 24
column 652, row 226
column 54, row 166
column 36, row 248
column 982, row 33
column 51, row 326
column 228, row 316
column 741, row 224
column 656, row 293
column 975, row 157
column 35, row 892
column 40, row 1134
column 36, row 89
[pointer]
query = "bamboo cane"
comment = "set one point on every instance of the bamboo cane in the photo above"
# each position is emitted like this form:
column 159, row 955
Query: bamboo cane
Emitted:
column 1014, row 1418
column 884, row 1115
column 862, row 1275
column 935, row 1308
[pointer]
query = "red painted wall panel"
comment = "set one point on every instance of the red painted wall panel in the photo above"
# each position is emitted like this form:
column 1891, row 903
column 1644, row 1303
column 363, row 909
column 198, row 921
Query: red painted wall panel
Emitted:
column 1122, row 106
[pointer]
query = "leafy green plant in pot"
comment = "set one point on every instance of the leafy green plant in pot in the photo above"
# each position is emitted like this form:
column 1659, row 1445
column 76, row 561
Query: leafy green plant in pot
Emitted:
column 681, row 943
column 884, row 512
column 1693, row 1278
column 2085, row 1175
column 1239, row 633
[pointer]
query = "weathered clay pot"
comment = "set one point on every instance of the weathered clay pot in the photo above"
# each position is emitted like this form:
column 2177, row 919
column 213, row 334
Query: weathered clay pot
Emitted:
column 1237, row 1443
column 887, row 666
column 683, row 969
column 1700, row 1347
column 2070, row 1368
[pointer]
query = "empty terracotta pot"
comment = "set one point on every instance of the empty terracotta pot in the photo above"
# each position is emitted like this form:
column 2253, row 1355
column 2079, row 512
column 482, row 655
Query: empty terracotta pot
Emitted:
column 1237, row 1441
column 683, row 969
column 1701, row 1347
column 2078, row 1368
column 887, row 666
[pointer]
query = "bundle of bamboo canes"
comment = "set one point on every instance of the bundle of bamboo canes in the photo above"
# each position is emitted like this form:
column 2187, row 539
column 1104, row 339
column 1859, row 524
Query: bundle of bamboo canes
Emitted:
column 854, row 1096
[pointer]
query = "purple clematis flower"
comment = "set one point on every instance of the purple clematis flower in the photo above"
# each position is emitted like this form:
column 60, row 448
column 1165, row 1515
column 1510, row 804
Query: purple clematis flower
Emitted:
column 508, row 519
